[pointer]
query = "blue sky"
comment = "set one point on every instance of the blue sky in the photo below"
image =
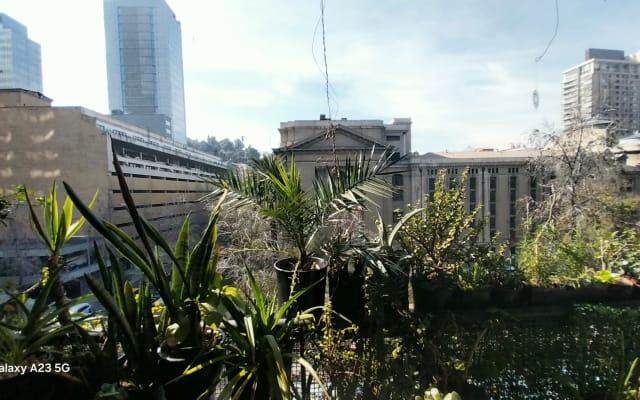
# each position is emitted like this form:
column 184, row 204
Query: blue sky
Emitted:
column 463, row 70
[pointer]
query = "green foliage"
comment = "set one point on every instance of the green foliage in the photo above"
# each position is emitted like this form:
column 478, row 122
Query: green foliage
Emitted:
column 587, row 356
column 298, row 214
column 584, row 222
column 261, row 335
column 619, row 252
column 441, row 240
column 434, row 394
column 232, row 151
column 9, row 200
column 191, row 294
column 548, row 257
column 5, row 208
column 28, row 328
column 335, row 355
column 56, row 228
column 57, row 225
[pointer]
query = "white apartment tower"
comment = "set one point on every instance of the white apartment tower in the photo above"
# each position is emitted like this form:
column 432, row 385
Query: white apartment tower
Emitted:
column 604, row 89
column 20, row 60
column 144, row 66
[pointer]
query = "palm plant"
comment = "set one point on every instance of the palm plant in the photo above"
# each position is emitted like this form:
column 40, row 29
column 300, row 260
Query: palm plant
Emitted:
column 298, row 214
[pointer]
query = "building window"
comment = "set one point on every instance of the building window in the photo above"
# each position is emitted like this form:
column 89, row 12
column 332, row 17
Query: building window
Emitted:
column 493, row 183
column 397, row 180
column 398, row 194
column 473, row 193
column 432, row 187
column 393, row 138
column 533, row 188
column 513, row 185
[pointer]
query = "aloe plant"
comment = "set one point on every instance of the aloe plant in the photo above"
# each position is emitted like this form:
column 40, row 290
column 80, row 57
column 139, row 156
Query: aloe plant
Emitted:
column 191, row 293
column 259, row 353
column 277, row 191
column 25, row 329
column 56, row 229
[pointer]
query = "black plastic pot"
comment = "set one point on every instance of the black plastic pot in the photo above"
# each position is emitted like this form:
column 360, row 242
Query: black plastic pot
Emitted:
column 471, row 298
column 388, row 297
column 315, row 276
column 430, row 296
column 189, row 387
column 346, row 290
column 45, row 385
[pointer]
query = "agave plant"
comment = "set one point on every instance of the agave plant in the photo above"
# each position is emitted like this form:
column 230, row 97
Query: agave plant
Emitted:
column 25, row 329
column 277, row 192
column 191, row 293
column 259, row 352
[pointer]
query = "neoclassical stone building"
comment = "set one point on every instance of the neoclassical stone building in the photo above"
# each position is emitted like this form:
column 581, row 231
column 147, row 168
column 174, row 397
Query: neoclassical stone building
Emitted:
column 497, row 180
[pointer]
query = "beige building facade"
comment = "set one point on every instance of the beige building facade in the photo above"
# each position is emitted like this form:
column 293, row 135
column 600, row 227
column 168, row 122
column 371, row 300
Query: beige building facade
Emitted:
column 40, row 144
column 312, row 142
column 497, row 180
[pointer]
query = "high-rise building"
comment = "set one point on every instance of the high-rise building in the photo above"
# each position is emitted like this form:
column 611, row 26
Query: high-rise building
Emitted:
column 20, row 63
column 144, row 66
column 604, row 89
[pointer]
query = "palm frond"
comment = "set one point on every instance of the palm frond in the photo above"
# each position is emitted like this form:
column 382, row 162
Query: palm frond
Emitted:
column 276, row 190
column 355, row 181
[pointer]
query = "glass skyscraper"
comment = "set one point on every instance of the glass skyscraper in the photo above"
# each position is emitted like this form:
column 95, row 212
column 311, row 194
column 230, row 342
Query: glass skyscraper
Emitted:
column 144, row 66
column 20, row 60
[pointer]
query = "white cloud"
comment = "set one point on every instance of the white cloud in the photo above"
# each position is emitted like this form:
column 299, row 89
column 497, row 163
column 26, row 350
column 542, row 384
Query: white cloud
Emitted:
column 463, row 70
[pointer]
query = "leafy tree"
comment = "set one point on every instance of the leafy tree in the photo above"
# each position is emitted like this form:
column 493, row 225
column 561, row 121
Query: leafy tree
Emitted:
column 9, row 200
column 579, row 176
column 442, row 239
column 233, row 151
column 584, row 222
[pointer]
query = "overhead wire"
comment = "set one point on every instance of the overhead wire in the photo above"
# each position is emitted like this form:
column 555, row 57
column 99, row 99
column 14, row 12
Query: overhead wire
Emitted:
column 536, row 94
column 329, row 89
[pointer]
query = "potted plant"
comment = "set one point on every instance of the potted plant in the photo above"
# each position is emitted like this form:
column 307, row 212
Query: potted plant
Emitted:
column 36, row 323
column 387, row 278
column 260, row 338
column 298, row 214
column 347, row 266
column 29, row 333
column 440, row 241
column 158, row 350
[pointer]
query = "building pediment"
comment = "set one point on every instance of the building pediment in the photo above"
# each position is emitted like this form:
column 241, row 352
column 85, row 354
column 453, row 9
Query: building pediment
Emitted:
column 345, row 139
